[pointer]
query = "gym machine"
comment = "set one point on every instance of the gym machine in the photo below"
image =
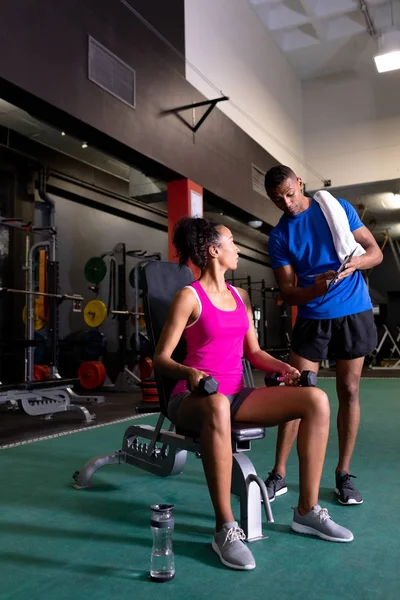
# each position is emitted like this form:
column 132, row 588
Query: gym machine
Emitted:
column 162, row 451
column 96, row 311
column 43, row 398
column 260, row 314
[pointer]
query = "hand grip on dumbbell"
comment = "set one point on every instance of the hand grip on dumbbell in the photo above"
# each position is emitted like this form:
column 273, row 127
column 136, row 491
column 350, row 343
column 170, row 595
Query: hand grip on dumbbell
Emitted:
column 306, row 379
column 206, row 387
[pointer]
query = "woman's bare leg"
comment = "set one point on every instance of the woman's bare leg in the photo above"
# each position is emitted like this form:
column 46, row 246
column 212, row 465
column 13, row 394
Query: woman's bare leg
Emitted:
column 212, row 413
column 271, row 406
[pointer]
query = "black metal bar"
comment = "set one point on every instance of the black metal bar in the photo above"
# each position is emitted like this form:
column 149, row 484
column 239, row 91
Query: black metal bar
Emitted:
column 249, row 286
column 263, row 312
column 204, row 117
column 195, row 105
column 210, row 103
column 53, row 306
column 120, row 255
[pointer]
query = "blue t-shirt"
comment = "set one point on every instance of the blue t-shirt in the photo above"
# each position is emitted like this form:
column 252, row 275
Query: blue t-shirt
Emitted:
column 305, row 242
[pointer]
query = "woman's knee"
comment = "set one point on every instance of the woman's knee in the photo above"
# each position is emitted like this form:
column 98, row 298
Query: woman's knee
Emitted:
column 216, row 411
column 318, row 402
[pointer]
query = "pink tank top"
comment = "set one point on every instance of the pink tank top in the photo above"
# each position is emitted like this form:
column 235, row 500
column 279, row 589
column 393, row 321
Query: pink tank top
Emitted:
column 215, row 342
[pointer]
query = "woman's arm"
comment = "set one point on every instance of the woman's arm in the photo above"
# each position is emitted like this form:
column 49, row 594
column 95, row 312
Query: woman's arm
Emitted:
column 183, row 307
column 258, row 358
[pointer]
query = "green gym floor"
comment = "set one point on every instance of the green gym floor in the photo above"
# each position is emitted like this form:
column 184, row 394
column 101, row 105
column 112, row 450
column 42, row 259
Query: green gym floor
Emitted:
column 61, row 544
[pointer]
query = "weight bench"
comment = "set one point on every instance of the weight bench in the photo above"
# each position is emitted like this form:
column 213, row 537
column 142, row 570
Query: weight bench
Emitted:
column 164, row 451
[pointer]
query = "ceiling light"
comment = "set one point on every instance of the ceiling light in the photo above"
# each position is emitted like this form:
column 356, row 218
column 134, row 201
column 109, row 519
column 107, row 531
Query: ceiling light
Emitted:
column 63, row 133
column 84, row 145
column 255, row 224
column 388, row 58
column 391, row 201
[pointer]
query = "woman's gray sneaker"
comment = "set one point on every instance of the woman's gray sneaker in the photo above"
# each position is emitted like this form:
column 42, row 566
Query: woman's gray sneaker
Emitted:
column 231, row 549
column 318, row 522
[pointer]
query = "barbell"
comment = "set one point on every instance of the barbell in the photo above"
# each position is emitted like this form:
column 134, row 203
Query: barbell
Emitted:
column 95, row 314
column 76, row 298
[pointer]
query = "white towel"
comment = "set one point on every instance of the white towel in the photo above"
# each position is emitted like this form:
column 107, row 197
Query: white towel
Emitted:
column 338, row 222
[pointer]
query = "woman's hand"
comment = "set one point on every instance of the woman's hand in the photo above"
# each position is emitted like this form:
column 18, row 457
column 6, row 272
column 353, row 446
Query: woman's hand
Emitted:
column 194, row 378
column 291, row 375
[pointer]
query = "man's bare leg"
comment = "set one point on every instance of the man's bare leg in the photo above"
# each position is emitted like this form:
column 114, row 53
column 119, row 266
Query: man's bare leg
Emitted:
column 348, row 374
column 287, row 432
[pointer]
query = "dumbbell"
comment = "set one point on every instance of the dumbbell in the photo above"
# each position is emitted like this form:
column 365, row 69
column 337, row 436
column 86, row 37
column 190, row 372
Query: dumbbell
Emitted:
column 207, row 386
column 306, row 379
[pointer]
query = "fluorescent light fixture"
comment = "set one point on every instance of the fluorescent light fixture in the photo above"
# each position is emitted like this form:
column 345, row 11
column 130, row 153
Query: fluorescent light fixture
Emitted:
column 388, row 62
column 388, row 58
column 391, row 201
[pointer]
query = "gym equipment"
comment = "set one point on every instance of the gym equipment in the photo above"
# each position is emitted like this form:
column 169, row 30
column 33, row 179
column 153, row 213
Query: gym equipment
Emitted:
column 144, row 344
column 261, row 312
column 39, row 321
column 146, row 368
column 80, row 346
column 43, row 398
column 149, row 390
column 95, row 270
column 77, row 299
column 92, row 375
column 41, row 373
column 163, row 452
column 40, row 348
column 207, row 386
column 394, row 352
column 95, row 313
column 306, row 379
column 47, row 398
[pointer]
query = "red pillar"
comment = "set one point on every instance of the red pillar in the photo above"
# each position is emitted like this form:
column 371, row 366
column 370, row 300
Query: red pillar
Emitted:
column 185, row 199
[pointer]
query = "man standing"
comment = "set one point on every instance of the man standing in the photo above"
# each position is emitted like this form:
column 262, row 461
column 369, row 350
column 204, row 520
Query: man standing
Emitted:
column 338, row 319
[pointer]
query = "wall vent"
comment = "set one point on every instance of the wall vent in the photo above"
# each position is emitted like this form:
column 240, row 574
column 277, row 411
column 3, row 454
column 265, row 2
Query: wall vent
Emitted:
column 111, row 73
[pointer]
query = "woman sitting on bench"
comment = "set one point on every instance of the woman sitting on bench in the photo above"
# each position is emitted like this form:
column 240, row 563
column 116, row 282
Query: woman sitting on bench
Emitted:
column 217, row 324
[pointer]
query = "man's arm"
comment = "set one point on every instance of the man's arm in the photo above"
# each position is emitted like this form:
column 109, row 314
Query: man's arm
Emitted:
column 295, row 296
column 372, row 257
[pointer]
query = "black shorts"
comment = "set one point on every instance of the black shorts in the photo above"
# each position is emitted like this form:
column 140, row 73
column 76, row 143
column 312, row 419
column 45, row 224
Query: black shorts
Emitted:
column 235, row 400
column 344, row 338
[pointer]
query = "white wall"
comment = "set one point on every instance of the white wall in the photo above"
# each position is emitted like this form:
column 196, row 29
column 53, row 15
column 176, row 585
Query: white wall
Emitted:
column 352, row 128
column 230, row 46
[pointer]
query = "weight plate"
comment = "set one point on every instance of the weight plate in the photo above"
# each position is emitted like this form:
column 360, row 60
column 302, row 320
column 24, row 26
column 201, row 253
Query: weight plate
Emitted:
column 94, row 344
column 95, row 270
column 39, row 323
column 92, row 374
column 95, row 313
column 41, row 373
column 132, row 317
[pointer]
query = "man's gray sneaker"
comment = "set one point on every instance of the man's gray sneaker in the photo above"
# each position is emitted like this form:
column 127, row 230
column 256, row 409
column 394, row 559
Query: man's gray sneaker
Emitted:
column 231, row 549
column 276, row 485
column 318, row 522
column 346, row 491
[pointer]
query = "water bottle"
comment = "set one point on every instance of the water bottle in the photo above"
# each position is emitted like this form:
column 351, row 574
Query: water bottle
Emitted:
column 162, row 563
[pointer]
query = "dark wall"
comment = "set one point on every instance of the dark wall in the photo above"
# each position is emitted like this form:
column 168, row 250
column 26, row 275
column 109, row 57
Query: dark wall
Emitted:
column 43, row 50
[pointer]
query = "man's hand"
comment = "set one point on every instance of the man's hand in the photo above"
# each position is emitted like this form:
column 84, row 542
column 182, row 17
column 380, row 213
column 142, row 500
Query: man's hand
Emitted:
column 350, row 268
column 321, row 282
